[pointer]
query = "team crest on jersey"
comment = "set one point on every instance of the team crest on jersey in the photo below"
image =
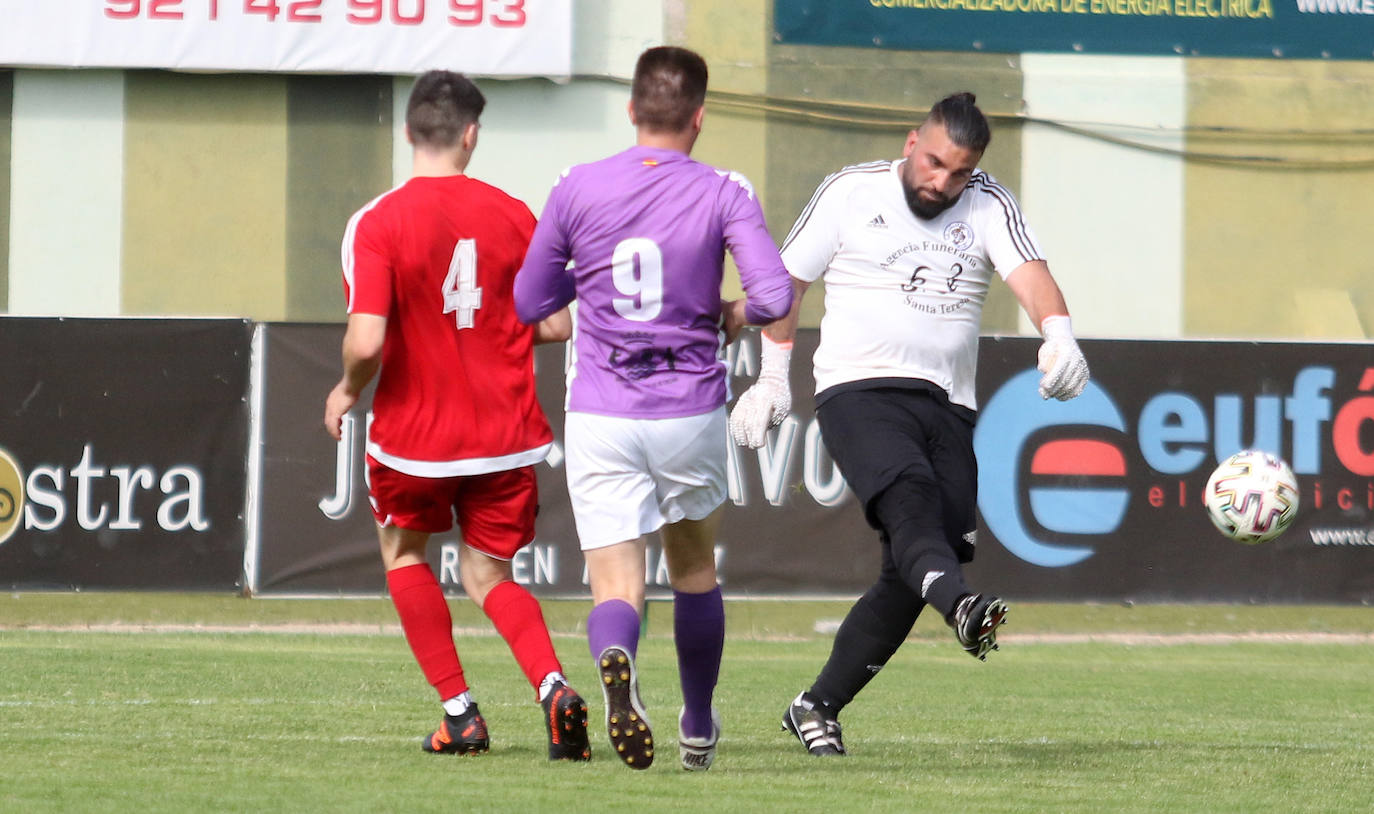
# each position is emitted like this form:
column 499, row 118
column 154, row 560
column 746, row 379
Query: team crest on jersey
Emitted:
column 959, row 235
column 639, row 359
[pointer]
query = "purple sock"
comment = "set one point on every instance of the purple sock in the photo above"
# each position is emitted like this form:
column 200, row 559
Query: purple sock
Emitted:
column 613, row 622
column 699, row 629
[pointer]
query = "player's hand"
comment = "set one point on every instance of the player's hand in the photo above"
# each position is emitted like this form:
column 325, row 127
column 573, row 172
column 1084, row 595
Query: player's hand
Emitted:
column 1062, row 362
column 768, row 402
column 336, row 406
column 761, row 408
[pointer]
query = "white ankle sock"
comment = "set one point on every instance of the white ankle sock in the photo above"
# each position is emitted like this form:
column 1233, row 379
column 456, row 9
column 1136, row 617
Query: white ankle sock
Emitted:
column 458, row 704
column 546, row 686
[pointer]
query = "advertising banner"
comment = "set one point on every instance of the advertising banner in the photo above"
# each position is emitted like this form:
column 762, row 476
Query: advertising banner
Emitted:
column 1101, row 497
column 317, row 534
column 122, row 453
column 1298, row 29
column 1098, row 498
column 479, row 37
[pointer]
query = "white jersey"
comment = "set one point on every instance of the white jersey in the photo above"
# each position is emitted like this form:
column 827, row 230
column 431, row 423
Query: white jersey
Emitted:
column 904, row 296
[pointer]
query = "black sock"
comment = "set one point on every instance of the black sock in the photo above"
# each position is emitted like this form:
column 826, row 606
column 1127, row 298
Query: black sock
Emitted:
column 909, row 510
column 940, row 592
column 872, row 631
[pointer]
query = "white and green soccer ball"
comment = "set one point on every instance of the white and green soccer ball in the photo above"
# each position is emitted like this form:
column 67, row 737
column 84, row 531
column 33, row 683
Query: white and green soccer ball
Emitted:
column 1252, row 496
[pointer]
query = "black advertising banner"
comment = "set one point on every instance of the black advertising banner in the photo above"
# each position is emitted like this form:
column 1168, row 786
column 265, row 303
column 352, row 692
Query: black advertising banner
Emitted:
column 124, row 465
column 1093, row 499
column 123, row 462
column 316, row 533
column 793, row 526
column 1100, row 497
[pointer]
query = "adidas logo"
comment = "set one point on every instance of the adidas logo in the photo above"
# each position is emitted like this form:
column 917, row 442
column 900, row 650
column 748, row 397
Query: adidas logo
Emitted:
column 878, row 223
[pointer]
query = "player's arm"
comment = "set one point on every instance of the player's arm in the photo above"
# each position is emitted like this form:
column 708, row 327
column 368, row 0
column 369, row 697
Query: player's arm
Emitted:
column 768, row 290
column 767, row 286
column 769, row 400
column 366, row 260
column 1037, row 291
column 1060, row 359
column 557, row 327
column 783, row 331
column 544, row 283
column 806, row 253
column 362, row 357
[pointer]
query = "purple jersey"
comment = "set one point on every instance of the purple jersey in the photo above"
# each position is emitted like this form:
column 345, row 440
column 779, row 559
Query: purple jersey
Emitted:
column 639, row 239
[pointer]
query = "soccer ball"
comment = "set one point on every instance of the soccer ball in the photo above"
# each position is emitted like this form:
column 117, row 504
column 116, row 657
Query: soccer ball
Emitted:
column 1252, row 497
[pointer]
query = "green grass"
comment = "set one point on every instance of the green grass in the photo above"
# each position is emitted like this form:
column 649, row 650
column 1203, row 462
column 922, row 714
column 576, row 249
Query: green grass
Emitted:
column 290, row 722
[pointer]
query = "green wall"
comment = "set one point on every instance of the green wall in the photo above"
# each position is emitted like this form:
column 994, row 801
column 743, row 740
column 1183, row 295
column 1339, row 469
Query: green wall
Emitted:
column 1278, row 247
column 338, row 159
column 238, row 188
column 205, row 195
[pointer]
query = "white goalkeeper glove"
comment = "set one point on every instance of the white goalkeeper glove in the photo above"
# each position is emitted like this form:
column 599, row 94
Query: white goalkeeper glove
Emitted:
column 765, row 404
column 1065, row 369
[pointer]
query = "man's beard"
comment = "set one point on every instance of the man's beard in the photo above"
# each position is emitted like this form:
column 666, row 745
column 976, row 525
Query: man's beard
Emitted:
column 926, row 210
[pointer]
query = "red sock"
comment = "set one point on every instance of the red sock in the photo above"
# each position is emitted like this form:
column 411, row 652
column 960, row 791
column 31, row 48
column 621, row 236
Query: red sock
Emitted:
column 428, row 627
column 518, row 619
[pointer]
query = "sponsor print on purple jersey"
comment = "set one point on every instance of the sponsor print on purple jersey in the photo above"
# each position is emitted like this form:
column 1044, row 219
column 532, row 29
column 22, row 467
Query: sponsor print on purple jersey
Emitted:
column 639, row 240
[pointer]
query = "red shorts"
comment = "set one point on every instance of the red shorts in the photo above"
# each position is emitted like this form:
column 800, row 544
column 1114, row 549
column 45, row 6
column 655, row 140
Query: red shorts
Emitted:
column 495, row 511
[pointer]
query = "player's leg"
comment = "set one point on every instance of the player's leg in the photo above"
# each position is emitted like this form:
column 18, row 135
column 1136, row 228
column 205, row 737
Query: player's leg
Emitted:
column 518, row 618
column 698, row 632
column 976, row 616
column 688, row 461
column 928, row 513
column 867, row 434
column 870, row 634
column 614, row 507
column 910, row 511
column 422, row 609
column 616, row 573
column 872, row 631
column 516, row 615
column 408, row 510
column 428, row 628
column 496, row 514
column 616, row 576
column 888, row 444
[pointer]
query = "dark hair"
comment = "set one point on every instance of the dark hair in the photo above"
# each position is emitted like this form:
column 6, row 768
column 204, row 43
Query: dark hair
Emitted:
column 964, row 123
column 442, row 104
column 669, row 88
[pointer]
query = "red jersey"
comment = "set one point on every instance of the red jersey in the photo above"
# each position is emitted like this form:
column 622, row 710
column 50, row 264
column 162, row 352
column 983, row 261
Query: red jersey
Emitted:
column 437, row 257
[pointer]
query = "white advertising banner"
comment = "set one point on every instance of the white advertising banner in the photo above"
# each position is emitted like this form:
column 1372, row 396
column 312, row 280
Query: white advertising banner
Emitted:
column 479, row 37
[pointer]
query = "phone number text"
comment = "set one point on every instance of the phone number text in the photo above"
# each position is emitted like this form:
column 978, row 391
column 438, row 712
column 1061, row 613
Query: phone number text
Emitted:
column 496, row 13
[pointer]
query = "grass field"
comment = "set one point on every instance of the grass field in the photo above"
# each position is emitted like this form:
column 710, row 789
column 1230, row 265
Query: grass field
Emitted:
column 175, row 703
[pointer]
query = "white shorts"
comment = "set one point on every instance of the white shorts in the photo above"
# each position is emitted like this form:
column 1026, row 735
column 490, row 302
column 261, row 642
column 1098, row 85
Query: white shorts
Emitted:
column 628, row 477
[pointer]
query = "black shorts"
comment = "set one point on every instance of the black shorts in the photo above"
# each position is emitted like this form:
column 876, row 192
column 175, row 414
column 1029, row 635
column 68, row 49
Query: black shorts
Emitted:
column 877, row 435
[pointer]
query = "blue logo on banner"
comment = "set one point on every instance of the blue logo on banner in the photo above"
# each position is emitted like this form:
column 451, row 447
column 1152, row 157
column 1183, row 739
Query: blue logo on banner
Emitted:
column 1007, row 423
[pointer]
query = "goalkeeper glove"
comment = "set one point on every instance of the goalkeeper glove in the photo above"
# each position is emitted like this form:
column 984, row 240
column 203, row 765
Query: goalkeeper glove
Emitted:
column 1065, row 369
column 765, row 404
